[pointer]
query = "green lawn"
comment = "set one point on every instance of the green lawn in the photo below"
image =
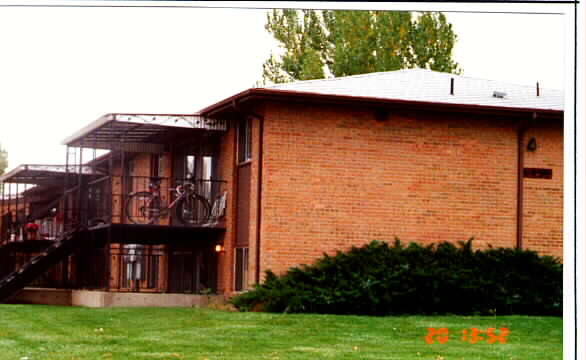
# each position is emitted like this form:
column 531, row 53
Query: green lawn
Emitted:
column 34, row 332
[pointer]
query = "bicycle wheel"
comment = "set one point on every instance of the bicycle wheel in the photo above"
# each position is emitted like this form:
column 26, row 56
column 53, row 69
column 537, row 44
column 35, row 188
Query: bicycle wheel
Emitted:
column 193, row 210
column 143, row 208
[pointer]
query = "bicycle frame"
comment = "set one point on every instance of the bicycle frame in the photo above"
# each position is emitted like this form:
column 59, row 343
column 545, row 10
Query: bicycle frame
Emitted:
column 153, row 207
column 181, row 191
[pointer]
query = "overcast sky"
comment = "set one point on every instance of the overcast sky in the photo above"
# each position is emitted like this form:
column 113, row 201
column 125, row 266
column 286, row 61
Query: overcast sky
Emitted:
column 61, row 68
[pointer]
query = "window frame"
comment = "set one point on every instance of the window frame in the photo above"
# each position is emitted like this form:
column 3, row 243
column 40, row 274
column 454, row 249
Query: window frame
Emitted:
column 244, row 134
column 243, row 285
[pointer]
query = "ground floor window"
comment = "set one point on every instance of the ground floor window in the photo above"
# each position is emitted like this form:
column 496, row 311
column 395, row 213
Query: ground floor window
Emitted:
column 241, row 269
column 141, row 267
column 134, row 263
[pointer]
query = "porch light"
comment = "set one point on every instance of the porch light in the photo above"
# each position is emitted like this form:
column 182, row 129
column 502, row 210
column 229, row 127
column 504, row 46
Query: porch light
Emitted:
column 532, row 145
column 219, row 248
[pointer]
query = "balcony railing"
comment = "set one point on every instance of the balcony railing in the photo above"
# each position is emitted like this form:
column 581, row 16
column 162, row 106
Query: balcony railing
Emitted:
column 129, row 268
column 12, row 230
column 141, row 200
column 158, row 201
column 146, row 200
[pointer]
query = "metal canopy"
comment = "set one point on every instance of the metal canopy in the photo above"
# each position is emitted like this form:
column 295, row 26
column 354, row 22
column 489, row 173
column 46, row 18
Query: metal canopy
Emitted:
column 43, row 174
column 139, row 132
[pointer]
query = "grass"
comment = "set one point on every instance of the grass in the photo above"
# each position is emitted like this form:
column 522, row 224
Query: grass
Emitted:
column 35, row 332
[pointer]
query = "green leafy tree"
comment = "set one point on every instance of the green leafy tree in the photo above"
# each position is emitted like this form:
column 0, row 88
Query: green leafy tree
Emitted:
column 3, row 165
column 337, row 43
column 302, row 35
column 3, row 160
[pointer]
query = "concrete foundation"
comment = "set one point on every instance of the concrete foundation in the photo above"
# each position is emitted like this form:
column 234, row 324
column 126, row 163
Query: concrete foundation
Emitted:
column 60, row 297
column 98, row 299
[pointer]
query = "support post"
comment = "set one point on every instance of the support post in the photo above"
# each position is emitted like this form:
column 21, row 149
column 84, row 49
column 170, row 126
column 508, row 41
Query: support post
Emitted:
column 12, row 219
column 4, row 228
column 122, row 180
column 80, row 192
column 65, row 187
column 18, row 224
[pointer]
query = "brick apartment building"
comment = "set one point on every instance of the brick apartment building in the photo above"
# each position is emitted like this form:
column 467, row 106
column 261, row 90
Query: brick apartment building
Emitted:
column 318, row 166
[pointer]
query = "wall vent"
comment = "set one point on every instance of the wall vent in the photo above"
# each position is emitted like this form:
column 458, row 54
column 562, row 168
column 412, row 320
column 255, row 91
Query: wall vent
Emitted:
column 499, row 94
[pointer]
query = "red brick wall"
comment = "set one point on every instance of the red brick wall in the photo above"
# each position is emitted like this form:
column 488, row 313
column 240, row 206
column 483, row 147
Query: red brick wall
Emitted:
column 543, row 198
column 335, row 177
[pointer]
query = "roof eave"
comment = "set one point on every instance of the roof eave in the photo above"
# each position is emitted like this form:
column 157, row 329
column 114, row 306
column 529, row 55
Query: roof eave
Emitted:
column 274, row 94
column 228, row 102
column 12, row 173
column 104, row 119
column 62, row 170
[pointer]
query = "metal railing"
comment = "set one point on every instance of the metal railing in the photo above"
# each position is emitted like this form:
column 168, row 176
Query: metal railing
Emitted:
column 126, row 268
column 151, row 268
column 130, row 268
column 47, row 228
column 154, row 200
column 58, row 275
column 121, row 200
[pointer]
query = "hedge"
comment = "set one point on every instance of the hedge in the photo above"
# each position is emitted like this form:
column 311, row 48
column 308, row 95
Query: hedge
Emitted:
column 378, row 279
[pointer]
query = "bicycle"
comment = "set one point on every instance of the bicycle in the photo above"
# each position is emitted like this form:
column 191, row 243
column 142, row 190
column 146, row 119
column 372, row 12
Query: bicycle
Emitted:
column 146, row 207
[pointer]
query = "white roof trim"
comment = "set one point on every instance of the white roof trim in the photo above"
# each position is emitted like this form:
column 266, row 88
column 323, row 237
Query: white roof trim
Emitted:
column 149, row 124
column 55, row 170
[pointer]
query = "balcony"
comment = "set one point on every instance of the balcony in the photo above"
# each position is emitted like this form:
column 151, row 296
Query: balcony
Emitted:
column 30, row 196
column 148, row 268
column 160, row 171
column 103, row 181
column 154, row 201
column 126, row 268
column 42, row 212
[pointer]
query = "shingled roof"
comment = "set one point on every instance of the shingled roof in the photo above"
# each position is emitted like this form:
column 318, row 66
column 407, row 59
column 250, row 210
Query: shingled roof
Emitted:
column 431, row 86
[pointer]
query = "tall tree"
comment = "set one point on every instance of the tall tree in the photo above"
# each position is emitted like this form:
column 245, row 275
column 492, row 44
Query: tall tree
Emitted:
column 3, row 160
column 303, row 38
column 3, row 165
column 337, row 43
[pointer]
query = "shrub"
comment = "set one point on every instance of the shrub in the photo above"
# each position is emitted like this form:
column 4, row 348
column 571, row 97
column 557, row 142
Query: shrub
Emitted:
column 378, row 279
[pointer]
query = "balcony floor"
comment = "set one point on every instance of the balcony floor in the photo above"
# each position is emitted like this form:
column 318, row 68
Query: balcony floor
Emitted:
column 154, row 234
column 27, row 245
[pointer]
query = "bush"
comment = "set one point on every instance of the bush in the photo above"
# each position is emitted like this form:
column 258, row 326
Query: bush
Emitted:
column 378, row 279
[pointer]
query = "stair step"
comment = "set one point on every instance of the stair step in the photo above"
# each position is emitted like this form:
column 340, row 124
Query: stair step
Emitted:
column 18, row 279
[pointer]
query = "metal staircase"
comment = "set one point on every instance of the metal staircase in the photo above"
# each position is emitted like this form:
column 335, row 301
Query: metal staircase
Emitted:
column 5, row 249
column 6, row 266
column 62, row 247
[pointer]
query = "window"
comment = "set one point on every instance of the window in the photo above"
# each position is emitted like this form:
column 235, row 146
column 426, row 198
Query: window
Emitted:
column 206, row 169
column 130, row 168
column 206, row 177
column 244, row 140
column 157, row 165
column 153, row 273
column 190, row 167
column 241, row 269
column 133, row 264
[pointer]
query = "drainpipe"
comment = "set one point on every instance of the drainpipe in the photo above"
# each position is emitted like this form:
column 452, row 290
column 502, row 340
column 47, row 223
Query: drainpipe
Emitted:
column 231, row 272
column 520, row 165
column 521, row 131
